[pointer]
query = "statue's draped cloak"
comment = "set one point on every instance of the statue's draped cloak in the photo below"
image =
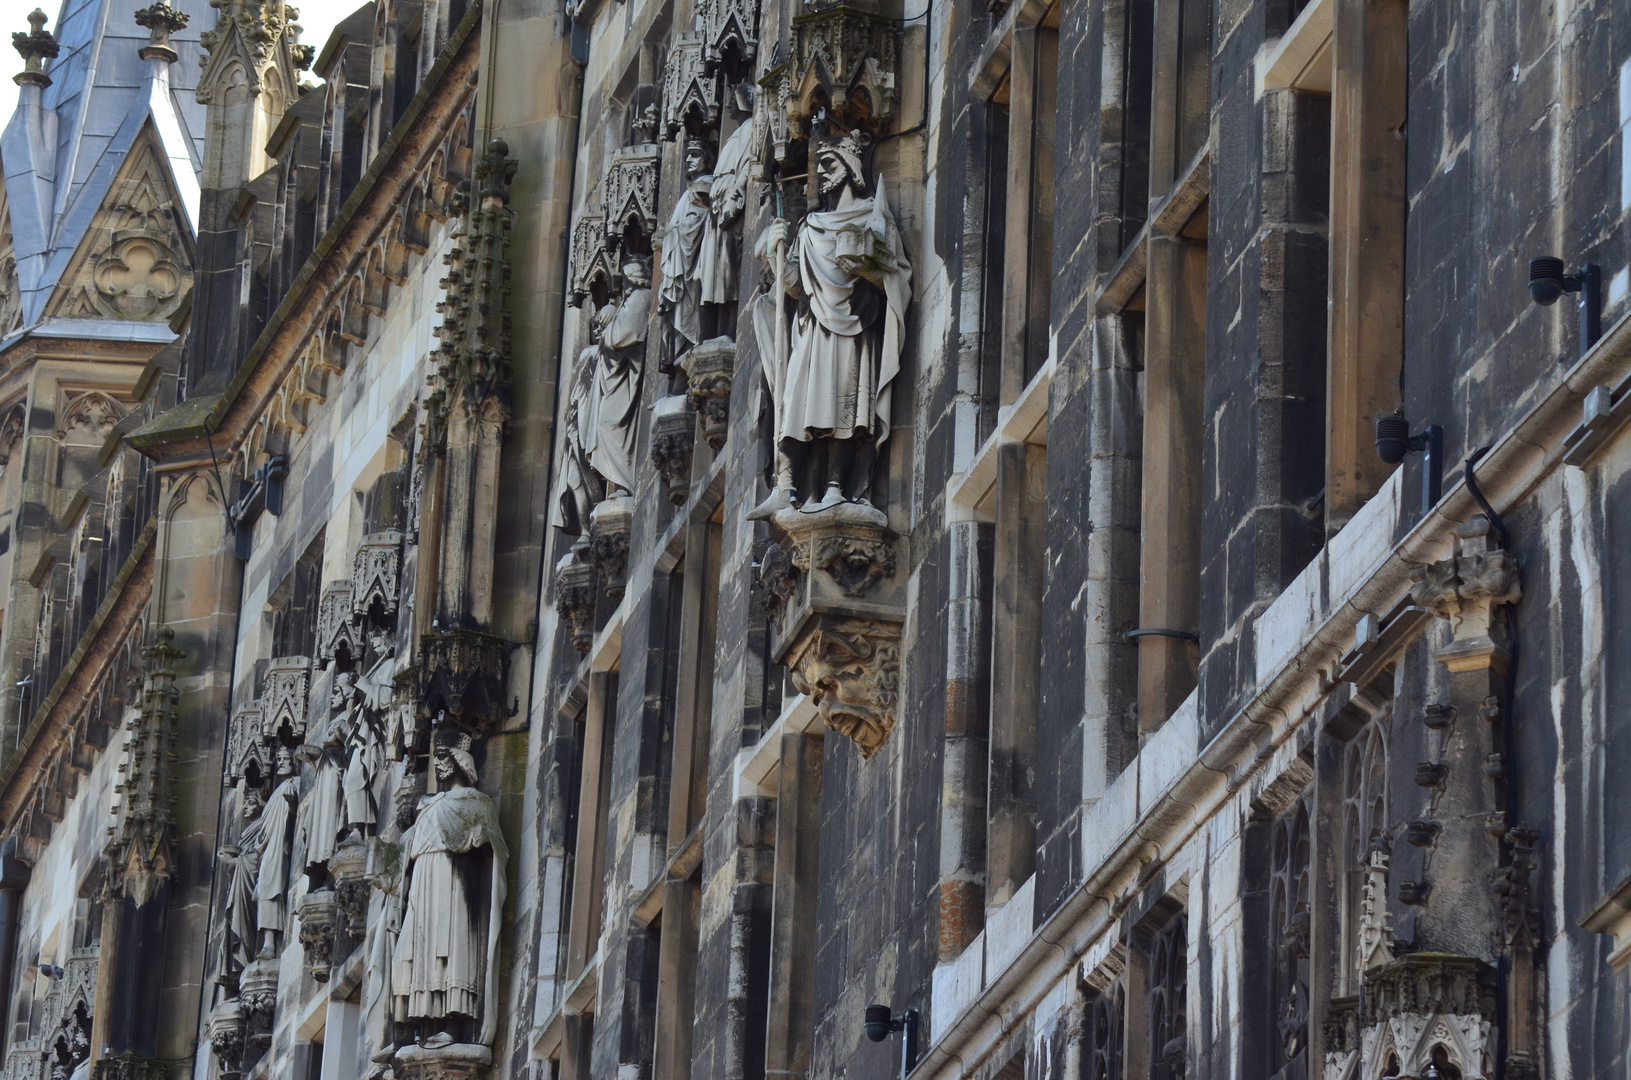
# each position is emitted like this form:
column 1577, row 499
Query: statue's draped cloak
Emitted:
column 440, row 958
column 839, row 375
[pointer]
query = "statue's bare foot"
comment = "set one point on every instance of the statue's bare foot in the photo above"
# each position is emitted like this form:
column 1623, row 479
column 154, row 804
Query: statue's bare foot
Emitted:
column 779, row 499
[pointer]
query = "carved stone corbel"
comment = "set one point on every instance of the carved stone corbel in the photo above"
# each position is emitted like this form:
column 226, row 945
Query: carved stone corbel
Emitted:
column 348, row 866
column 673, row 435
column 709, row 367
column 575, row 599
column 457, row 1061
column 609, row 525
column 318, row 914
column 1465, row 590
column 850, row 669
column 226, row 1035
column 257, row 993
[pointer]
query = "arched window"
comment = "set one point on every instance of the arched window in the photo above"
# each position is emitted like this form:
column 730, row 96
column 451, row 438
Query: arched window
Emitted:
column 1364, row 828
column 1289, row 925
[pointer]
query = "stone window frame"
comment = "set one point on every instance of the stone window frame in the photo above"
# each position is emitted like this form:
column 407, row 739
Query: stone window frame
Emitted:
column 1365, row 808
column 1155, row 293
column 1004, row 489
column 1291, row 904
column 1131, row 993
column 1366, row 75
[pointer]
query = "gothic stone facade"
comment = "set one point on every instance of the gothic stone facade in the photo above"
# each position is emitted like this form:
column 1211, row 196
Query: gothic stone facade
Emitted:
column 600, row 540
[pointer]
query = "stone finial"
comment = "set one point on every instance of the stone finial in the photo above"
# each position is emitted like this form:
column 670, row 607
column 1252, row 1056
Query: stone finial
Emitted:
column 34, row 46
column 161, row 20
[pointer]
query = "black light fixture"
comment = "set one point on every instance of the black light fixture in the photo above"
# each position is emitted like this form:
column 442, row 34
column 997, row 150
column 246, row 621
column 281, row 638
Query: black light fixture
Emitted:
column 1548, row 283
column 881, row 1023
column 1394, row 441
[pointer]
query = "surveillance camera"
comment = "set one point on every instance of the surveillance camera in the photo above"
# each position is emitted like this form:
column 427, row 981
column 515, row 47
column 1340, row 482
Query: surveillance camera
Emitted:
column 1546, row 281
column 878, row 1022
column 1392, row 438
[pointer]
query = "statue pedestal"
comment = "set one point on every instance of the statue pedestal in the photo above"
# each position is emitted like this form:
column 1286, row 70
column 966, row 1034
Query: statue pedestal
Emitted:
column 837, row 601
column 455, row 1061
column 609, row 525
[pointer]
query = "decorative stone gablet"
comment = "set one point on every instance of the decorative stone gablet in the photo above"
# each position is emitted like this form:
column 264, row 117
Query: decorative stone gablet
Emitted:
column 1421, row 1010
column 836, row 603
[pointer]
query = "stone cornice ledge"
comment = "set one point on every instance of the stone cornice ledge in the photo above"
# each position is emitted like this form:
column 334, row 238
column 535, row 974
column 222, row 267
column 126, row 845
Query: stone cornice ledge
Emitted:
column 1519, row 461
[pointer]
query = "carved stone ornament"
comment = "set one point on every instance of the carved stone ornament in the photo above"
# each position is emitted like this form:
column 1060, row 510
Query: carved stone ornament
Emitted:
column 709, row 367
column 673, row 437
column 335, row 626
column 591, row 262
column 772, row 124
column 130, row 1067
column 1375, row 935
column 473, row 359
column 374, row 572
column 1465, row 590
column 283, row 701
column 849, row 543
column 575, row 583
column 609, row 526
column 455, row 1061
column 35, row 46
column 631, row 190
column 688, row 87
column 850, row 669
column 462, row 673
column 245, row 745
column 318, row 912
column 1410, row 1011
column 141, row 846
column 161, row 21
column 348, row 866
column 264, row 33
column 226, row 1035
column 841, row 53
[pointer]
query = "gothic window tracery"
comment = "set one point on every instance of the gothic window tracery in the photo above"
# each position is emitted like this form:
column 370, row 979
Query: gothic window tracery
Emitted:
column 1364, row 830
column 1169, row 987
column 1107, row 1033
column 1288, row 928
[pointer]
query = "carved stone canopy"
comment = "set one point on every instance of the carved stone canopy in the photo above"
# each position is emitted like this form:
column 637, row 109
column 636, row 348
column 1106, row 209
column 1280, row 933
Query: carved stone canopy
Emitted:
column 1412, row 1013
column 336, row 626
column 848, row 57
column 246, row 748
column 374, row 573
column 728, row 27
column 283, row 701
column 462, row 673
column 631, row 191
column 688, row 87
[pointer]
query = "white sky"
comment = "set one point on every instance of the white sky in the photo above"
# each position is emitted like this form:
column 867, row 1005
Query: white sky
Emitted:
column 317, row 19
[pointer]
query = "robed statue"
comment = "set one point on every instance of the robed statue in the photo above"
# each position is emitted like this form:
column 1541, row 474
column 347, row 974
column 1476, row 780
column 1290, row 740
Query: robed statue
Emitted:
column 444, row 966
column 257, row 890
column 700, row 249
column 838, row 322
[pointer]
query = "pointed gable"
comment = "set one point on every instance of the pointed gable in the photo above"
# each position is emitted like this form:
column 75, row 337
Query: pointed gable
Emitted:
column 135, row 261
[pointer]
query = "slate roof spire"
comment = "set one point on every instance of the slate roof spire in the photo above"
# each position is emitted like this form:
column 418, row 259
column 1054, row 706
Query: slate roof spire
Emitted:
column 89, row 92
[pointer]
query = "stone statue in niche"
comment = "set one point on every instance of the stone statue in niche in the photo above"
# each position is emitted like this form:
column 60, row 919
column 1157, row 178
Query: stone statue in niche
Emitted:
column 580, row 488
column 367, row 739
column 837, row 322
column 700, row 248
column 607, row 418
column 443, row 969
column 323, row 811
column 259, row 883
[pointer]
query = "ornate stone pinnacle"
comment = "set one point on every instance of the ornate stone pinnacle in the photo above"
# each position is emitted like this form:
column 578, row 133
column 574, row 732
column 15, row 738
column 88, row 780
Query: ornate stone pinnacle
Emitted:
column 161, row 20
column 34, row 47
